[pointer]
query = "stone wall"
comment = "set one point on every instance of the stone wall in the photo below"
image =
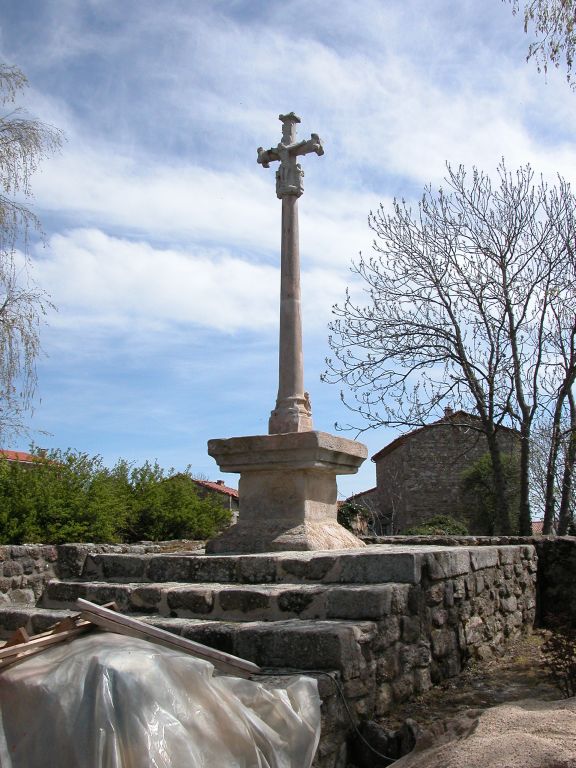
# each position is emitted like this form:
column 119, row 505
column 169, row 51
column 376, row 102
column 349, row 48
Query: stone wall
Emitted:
column 556, row 575
column 26, row 568
column 468, row 604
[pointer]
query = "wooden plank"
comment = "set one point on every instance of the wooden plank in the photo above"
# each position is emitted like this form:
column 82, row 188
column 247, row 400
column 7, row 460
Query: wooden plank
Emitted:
column 43, row 640
column 20, row 636
column 126, row 625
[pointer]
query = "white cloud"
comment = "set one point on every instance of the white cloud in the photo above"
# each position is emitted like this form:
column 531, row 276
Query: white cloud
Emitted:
column 106, row 279
column 132, row 287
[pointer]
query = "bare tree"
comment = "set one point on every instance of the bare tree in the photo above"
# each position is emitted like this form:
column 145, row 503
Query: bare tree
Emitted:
column 554, row 24
column 458, row 311
column 24, row 142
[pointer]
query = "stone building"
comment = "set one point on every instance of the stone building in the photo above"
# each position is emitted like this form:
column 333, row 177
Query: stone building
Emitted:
column 226, row 495
column 418, row 475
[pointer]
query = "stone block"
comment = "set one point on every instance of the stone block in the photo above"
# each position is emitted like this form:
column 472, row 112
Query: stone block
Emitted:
column 446, row 564
column 435, row 593
column 484, row 557
column 388, row 665
column 474, row 631
column 18, row 550
column 403, row 687
column 384, row 699
column 508, row 555
column 439, row 617
column 12, row 568
column 28, row 565
column 23, row 596
column 323, row 568
column 242, row 601
column 382, row 566
column 257, row 570
column 302, row 601
column 459, row 589
column 422, row 680
column 301, row 645
column 388, row 632
column 400, row 599
column 443, row 642
column 366, row 602
column 146, row 598
column 411, row 628
column 109, row 593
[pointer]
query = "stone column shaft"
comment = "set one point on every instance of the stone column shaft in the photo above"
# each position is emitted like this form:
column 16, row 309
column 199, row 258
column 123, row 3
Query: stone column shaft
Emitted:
column 290, row 365
column 292, row 412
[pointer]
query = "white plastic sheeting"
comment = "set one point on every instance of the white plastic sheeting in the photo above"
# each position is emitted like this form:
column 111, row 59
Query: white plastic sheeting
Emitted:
column 110, row 701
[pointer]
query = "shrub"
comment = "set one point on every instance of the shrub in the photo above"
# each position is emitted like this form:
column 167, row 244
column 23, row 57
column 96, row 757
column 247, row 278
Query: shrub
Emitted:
column 352, row 515
column 439, row 525
column 559, row 658
column 70, row 496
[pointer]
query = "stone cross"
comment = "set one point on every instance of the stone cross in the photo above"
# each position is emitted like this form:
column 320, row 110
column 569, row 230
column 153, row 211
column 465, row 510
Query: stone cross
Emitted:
column 293, row 412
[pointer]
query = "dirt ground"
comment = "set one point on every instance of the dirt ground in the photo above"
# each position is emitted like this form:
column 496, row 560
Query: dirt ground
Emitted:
column 518, row 674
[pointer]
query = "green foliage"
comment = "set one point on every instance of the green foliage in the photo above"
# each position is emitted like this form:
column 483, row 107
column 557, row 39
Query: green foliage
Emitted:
column 72, row 497
column 350, row 513
column 439, row 525
column 479, row 493
column 559, row 658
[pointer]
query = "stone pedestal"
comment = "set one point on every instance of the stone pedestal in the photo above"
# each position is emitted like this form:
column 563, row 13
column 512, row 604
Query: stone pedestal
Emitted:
column 287, row 491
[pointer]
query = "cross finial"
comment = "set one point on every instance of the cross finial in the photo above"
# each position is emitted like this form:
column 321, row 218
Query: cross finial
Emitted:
column 290, row 174
column 289, row 123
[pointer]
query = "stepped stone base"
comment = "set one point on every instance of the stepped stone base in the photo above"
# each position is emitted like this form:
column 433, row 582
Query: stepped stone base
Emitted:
column 386, row 621
column 287, row 491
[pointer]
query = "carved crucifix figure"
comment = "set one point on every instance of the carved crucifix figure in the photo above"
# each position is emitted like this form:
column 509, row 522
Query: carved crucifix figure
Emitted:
column 292, row 412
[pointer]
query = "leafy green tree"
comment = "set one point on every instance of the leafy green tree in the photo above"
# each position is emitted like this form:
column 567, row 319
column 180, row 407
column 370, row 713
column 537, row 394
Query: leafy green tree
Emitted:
column 70, row 496
column 480, row 495
column 169, row 507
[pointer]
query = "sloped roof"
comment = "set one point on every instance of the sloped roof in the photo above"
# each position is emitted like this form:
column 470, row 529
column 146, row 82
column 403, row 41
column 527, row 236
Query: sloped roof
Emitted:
column 444, row 420
column 362, row 493
column 20, row 456
column 219, row 487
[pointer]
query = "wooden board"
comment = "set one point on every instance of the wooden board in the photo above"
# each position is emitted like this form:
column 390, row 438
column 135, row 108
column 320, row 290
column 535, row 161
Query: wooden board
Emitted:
column 126, row 625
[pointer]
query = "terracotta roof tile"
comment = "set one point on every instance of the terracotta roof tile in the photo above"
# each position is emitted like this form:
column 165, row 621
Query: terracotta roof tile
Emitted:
column 219, row 487
column 21, row 456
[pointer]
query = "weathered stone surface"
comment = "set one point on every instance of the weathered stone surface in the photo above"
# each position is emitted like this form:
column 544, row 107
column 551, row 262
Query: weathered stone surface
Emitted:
column 335, row 610
column 287, row 491
column 373, row 602
column 441, row 565
column 484, row 557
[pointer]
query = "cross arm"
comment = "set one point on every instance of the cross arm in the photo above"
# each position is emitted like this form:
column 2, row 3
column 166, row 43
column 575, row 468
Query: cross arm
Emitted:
column 314, row 144
column 266, row 156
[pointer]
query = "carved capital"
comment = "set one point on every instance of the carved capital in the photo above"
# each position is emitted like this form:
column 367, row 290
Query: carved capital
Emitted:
column 289, row 179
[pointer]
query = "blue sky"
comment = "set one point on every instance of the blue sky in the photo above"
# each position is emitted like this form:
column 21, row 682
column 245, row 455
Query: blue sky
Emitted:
column 162, row 232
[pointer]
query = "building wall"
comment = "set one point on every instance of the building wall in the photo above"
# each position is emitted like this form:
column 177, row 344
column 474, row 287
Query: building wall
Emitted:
column 421, row 477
